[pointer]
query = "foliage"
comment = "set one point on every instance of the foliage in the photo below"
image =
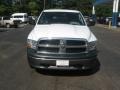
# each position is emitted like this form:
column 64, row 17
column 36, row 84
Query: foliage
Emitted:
column 106, row 12
column 33, row 7
column 4, row 10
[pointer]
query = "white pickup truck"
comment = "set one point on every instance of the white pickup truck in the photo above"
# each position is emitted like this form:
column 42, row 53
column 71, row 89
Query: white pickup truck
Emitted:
column 7, row 22
column 61, row 39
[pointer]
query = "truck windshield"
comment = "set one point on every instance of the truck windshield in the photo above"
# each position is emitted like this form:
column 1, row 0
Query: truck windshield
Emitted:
column 61, row 18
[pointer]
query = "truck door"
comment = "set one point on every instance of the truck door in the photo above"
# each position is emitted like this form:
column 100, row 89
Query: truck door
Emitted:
column 0, row 21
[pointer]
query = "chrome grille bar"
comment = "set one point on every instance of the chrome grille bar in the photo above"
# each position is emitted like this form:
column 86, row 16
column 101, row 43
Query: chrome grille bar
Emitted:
column 57, row 46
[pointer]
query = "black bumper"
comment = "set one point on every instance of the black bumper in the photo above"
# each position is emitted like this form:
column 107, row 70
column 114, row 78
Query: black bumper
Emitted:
column 76, row 62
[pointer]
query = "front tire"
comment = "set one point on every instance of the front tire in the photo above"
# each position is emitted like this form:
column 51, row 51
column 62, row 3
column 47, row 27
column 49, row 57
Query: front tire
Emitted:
column 7, row 25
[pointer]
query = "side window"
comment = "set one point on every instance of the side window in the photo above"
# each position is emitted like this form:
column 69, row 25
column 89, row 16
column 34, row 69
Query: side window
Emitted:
column 25, row 16
column 6, row 18
column 0, row 18
column 18, row 16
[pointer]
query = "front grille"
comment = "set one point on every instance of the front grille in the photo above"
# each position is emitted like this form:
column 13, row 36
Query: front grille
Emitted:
column 63, row 46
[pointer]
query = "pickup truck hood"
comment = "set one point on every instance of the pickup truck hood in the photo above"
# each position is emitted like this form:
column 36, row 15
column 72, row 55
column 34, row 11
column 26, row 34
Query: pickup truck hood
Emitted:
column 61, row 31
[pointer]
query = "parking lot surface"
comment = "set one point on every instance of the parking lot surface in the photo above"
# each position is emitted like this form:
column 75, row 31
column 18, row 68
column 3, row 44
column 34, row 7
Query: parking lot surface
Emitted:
column 15, row 73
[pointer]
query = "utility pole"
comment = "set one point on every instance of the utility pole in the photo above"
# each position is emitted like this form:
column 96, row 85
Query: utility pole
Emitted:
column 44, row 4
column 93, row 13
column 20, row 2
column 115, row 13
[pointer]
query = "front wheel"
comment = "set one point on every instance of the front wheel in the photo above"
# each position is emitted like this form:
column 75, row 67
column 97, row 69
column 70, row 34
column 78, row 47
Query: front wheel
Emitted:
column 8, row 25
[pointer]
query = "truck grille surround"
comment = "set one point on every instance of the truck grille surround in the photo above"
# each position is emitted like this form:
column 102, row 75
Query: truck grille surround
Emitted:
column 62, row 46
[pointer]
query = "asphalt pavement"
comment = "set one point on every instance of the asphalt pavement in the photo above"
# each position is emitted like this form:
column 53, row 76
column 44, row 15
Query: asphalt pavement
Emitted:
column 15, row 73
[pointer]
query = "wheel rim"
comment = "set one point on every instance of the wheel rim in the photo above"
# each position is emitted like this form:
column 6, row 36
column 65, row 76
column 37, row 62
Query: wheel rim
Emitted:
column 8, row 25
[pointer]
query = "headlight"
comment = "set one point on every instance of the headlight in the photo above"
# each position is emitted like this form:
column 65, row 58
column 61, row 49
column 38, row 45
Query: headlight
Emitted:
column 31, row 44
column 92, row 45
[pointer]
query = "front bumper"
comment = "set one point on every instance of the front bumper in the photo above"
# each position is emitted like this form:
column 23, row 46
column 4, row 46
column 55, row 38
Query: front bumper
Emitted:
column 76, row 62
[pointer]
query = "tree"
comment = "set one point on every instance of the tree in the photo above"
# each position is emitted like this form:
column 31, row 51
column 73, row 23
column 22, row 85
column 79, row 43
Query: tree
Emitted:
column 2, row 9
column 5, row 10
column 33, row 7
column 85, row 6
column 106, row 12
